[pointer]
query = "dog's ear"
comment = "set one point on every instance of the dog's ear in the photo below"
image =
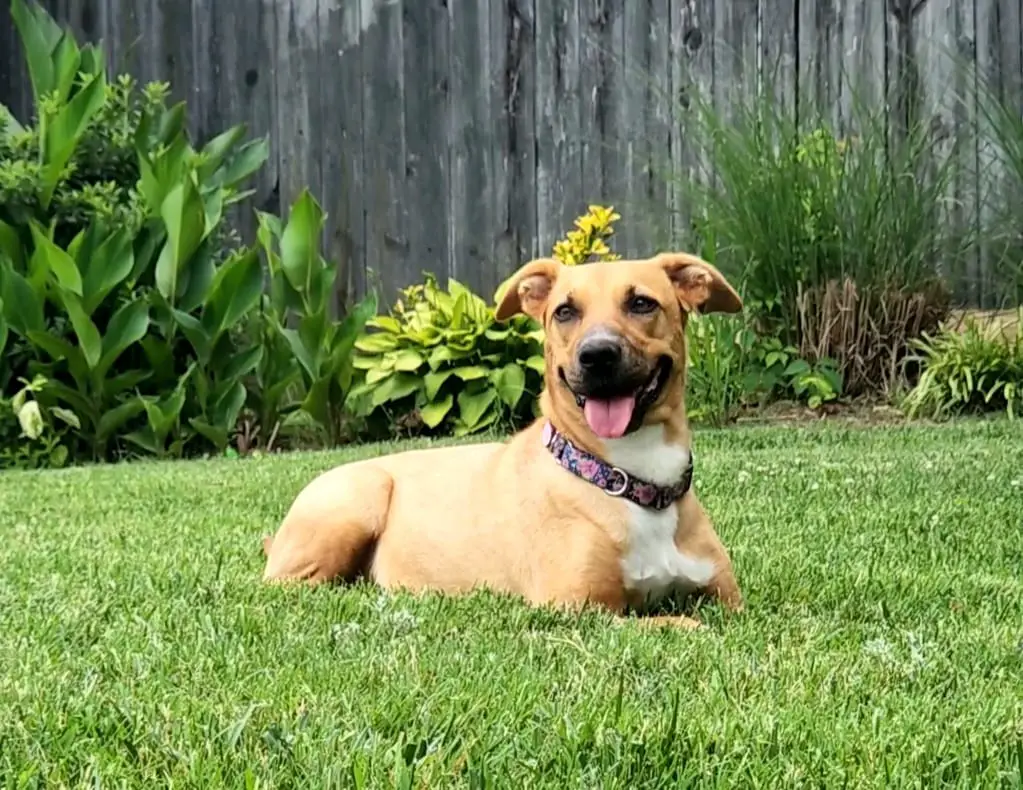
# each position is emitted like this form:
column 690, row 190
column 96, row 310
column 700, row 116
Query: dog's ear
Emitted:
column 699, row 285
column 528, row 289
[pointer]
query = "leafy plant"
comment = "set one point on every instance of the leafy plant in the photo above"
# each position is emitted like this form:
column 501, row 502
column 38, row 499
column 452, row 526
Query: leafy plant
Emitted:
column 791, row 209
column 298, row 310
column 116, row 281
column 68, row 84
column 31, row 436
column 440, row 362
column 972, row 369
column 731, row 367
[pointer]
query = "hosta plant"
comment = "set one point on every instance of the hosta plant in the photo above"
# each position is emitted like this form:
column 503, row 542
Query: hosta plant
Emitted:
column 439, row 361
column 972, row 369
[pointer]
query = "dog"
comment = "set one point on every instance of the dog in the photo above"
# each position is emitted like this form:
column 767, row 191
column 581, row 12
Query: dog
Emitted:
column 591, row 505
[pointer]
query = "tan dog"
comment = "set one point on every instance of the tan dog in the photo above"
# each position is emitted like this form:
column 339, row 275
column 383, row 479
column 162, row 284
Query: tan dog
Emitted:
column 594, row 506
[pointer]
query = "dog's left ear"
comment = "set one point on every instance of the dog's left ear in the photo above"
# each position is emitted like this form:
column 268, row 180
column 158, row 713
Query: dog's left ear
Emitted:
column 699, row 285
column 528, row 289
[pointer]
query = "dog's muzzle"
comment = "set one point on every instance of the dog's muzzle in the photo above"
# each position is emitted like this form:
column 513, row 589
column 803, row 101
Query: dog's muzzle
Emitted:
column 613, row 383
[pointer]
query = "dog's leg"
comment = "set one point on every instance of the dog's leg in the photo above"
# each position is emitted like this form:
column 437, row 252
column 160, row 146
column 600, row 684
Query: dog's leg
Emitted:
column 330, row 529
column 725, row 588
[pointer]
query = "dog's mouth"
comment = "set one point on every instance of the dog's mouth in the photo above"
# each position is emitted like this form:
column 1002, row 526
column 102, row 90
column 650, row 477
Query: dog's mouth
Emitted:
column 611, row 415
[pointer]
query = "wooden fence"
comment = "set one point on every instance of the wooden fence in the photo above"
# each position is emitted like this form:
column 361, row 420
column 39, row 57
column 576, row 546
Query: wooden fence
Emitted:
column 463, row 136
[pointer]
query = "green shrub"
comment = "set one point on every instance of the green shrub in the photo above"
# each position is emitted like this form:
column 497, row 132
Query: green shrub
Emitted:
column 975, row 369
column 1001, row 177
column 792, row 210
column 115, row 281
column 303, row 342
column 731, row 368
column 440, row 362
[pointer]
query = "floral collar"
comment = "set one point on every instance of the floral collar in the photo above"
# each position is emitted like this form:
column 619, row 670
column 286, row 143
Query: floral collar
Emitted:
column 610, row 479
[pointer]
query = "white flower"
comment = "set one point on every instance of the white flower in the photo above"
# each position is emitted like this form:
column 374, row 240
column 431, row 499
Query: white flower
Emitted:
column 31, row 419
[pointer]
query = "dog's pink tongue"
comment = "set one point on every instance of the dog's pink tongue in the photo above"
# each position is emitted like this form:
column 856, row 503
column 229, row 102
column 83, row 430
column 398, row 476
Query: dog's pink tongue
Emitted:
column 609, row 418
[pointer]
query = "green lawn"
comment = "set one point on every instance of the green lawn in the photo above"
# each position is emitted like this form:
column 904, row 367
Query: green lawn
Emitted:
column 882, row 646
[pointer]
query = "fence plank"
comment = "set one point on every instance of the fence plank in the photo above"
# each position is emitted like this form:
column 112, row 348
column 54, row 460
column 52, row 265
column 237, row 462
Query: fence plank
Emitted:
column 234, row 42
column 600, row 54
column 341, row 165
column 520, row 110
column 998, row 66
column 559, row 162
column 693, row 47
column 15, row 88
column 934, row 39
column 778, row 70
column 736, row 76
column 470, row 120
column 862, row 63
column 645, row 127
column 383, row 66
column 426, row 69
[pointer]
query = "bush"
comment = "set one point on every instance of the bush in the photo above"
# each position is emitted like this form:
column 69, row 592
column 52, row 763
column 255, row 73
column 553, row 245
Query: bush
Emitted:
column 972, row 369
column 303, row 345
column 439, row 362
column 116, row 286
column 797, row 214
column 1001, row 170
column 731, row 368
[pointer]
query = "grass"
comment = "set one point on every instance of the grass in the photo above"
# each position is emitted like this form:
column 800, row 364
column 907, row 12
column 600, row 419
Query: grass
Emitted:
column 881, row 648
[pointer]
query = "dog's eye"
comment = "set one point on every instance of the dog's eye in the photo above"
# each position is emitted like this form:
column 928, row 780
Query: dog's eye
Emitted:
column 642, row 304
column 564, row 313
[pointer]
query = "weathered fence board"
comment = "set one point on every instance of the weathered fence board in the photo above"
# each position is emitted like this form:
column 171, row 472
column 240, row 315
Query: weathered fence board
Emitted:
column 386, row 201
column 519, row 111
column 426, row 30
column 341, row 156
column 463, row 137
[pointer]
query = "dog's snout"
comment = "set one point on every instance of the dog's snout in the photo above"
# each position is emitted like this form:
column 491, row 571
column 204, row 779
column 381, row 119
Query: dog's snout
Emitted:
column 600, row 355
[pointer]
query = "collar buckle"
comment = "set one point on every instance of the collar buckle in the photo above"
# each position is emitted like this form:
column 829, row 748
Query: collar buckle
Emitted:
column 622, row 475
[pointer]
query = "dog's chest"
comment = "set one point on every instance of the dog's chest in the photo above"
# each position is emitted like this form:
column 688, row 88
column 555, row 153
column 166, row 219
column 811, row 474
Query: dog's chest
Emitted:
column 652, row 565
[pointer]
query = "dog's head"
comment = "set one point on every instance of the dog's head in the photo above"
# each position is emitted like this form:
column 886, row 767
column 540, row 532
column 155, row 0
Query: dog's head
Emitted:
column 616, row 333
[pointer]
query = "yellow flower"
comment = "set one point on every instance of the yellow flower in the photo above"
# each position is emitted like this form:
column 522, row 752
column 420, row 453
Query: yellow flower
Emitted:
column 587, row 240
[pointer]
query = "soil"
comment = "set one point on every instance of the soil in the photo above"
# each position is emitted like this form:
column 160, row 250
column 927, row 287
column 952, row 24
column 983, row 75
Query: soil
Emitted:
column 856, row 412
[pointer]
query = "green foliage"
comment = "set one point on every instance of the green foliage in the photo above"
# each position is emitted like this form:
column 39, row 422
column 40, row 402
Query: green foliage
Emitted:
column 297, row 312
column 976, row 369
column 792, row 209
column 441, row 357
column 1000, row 178
column 116, row 284
column 731, row 367
column 32, row 436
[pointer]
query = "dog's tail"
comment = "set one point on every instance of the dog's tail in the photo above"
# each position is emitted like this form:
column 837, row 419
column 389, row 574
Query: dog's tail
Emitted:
column 268, row 541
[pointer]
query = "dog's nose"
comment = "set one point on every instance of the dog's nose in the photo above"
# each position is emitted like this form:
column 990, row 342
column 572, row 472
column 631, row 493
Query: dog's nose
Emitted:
column 599, row 355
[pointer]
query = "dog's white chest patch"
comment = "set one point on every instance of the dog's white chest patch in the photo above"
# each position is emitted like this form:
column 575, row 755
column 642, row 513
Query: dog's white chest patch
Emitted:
column 652, row 565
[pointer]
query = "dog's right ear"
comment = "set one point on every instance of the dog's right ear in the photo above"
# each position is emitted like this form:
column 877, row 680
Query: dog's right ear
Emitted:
column 528, row 289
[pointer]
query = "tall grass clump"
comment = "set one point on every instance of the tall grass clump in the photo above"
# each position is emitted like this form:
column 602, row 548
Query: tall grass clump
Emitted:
column 836, row 240
column 1000, row 177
